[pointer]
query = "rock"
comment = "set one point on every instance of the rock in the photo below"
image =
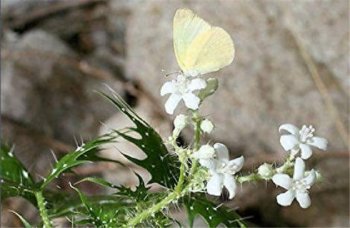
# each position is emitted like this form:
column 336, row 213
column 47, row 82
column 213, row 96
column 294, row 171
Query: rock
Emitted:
column 52, row 93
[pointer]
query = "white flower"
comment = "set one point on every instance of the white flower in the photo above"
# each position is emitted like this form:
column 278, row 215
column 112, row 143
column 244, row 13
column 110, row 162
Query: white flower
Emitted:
column 207, row 126
column 297, row 187
column 182, row 89
column 221, row 169
column 180, row 123
column 301, row 140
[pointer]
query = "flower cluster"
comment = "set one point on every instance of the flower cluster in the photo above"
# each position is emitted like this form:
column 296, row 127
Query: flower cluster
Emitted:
column 215, row 167
column 298, row 186
column 214, row 159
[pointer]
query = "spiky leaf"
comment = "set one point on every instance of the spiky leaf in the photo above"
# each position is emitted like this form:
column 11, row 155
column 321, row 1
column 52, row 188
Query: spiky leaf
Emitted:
column 212, row 214
column 82, row 155
column 15, row 179
column 162, row 167
column 111, row 211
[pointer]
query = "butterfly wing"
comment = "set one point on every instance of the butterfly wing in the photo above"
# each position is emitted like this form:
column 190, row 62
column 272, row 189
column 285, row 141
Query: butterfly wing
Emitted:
column 199, row 47
column 186, row 27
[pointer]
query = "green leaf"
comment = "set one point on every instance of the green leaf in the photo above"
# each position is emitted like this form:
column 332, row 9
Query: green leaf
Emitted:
column 82, row 155
column 212, row 86
column 15, row 179
column 140, row 193
column 162, row 166
column 25, row 223
column 107, row 211
column 98, row 181
column 212, row 214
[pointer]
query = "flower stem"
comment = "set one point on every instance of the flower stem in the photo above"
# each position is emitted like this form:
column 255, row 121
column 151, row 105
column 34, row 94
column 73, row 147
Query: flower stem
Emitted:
column 288, row 164
column 197, row 130
column 250, row 177
column 197, row 137
column 157, row 207
column 178, row 187
column 256, row 177
column 42, row 209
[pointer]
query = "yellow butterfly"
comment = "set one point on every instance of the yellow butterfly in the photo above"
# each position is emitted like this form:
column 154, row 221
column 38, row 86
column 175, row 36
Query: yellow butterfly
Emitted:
column 199, row 47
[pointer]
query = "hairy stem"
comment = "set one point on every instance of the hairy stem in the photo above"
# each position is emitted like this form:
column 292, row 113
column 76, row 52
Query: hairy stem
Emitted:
column 154, row 209
column 178, row 187
column 289, row 163
column 197, row 138
column 250, row 177
column 197, row 130
column 42, row 209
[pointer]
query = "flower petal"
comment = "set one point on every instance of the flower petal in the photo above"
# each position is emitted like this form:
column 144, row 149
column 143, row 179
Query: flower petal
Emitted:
column 289, row 142
column 299, row 169
column 168, row 87
column 286, row 199
column 214, row 185
column 204, row 152
column 197, row 84
column 303, row 199
column 230, row 184
column 171, row 103
column 221, row 151
column 237, row 163
column 306, row 151
column 290, row 128
column 208, row 163
column 318, row 142
column 310, row 179
column 191, row 101
column 282, row 180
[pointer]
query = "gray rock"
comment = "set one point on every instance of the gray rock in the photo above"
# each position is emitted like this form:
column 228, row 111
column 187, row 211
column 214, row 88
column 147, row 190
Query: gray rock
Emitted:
column 44, row 86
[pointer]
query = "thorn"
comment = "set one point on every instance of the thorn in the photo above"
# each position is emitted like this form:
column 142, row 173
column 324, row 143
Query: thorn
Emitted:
column 54, row 155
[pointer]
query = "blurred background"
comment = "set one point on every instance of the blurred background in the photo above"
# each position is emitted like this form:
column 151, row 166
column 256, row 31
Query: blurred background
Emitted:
column 291, row 66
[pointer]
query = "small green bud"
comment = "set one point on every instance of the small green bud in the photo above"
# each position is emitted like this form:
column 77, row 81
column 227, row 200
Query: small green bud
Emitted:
column 207, row 126
column 266, row 171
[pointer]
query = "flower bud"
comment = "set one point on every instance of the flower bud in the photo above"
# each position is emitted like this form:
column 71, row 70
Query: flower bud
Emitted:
column 204, row 152
column 266, row 171
column 180, row 123
column 207, row 126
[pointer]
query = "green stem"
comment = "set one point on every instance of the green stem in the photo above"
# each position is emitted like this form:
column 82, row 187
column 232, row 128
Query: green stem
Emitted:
column 288, row 164
column 178, row 187
column 157, row 207
column 250, row 177
column 256, row 177
column 42, row 209
column 197, row 138
column 197, row 130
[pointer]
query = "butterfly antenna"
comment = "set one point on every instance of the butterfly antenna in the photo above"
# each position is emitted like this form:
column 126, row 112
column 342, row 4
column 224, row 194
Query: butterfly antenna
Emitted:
column 175, row 72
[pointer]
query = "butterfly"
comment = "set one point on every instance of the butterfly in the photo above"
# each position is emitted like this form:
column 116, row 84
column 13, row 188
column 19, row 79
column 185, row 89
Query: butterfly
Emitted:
column 199, row 47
